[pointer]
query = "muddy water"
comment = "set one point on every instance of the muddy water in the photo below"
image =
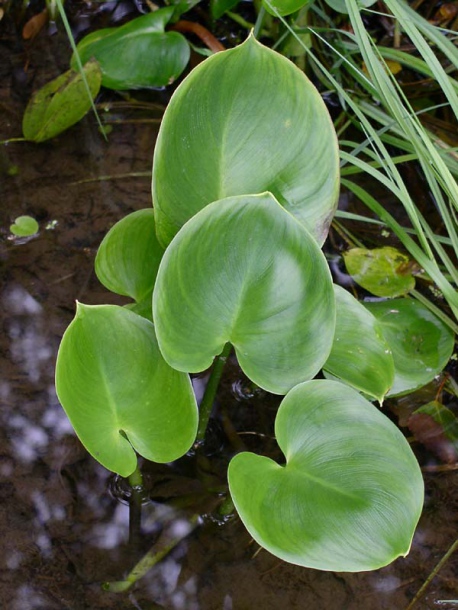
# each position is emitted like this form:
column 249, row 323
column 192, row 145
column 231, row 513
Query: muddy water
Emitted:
column 64, row 528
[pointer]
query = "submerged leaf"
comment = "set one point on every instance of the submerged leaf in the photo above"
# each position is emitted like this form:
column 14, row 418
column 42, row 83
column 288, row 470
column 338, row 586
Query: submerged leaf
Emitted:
column 246, row 121
column 360, row 355
column 244, row 271
column 421, row 343
column 350, row 494
column 139, row 53
column 61, row 103
column 436, row 427
column 119, row 393
column 385, row 272
column 128, row 257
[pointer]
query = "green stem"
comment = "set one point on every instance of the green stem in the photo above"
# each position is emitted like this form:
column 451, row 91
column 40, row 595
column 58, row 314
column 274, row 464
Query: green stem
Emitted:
column 210, row 392
column 135, row 507
column 427, row 582
column 160, row 550
column 259, row 21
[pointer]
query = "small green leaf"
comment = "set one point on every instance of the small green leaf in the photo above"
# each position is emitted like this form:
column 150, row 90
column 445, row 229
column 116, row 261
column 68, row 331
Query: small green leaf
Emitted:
column 350, row 494
column 139, row 53
column 421, row 343
column 61, row 103
column 129, row 255
column 119, row 393
column 246, row 121
column 219, row 7
column 360, row 355
column 24, row 226
column 284, row 7
column 244, row 271
column 385, row 272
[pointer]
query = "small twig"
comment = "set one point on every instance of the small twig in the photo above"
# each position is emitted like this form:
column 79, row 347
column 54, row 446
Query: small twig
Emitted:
column 195, row 28
column 434, row 573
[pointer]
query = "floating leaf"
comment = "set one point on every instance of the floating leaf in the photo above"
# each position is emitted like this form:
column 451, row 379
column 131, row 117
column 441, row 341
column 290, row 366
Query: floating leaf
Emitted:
column 385, row 272
column 139, row 53
column 244, row 271
column 350, row 494
column 245, row 121
column 119, row 393
column 421, row 343
column 24, row 226
column 436, row 427
column 129, row 255
column 61, row 103
column 360, row 355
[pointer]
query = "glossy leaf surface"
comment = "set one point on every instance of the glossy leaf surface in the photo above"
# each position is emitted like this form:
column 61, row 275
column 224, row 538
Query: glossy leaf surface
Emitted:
column 245, row 121
column 421, row 344
column 360, row 355
column 60, row 104
column 350, row 494
column 118, row 391
column 385, row 272
column 128, row 257
column 139, row 53
column 244, row 271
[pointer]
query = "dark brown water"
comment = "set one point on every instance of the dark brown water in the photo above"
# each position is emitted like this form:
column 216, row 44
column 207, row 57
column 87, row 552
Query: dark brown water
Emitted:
column 62, row 530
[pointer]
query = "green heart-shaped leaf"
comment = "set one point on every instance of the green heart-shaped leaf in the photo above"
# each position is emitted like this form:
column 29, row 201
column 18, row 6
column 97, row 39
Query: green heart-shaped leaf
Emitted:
column 384, row 271
column 24, row 226
column 244, row 271
column 61, row 103
column 118, row 391
column 360, row 355
column 137, row 54
column 421, row 343
column 350, row 494
column 246, row 121
column 129, row 255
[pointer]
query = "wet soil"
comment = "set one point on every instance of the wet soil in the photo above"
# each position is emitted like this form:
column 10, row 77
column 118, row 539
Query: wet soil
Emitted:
column 64, row 525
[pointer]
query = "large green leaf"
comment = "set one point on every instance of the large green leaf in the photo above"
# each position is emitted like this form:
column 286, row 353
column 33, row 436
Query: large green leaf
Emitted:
column 360, row 355
column 246, row 121
column 128, row 257
column 118, row 391
column 350, row 494
column 61, row 103
column 244, row 271
column 421, row 343
column 139, row 53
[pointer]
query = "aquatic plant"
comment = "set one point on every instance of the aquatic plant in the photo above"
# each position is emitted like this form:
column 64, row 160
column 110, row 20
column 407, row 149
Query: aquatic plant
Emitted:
column 245, row 185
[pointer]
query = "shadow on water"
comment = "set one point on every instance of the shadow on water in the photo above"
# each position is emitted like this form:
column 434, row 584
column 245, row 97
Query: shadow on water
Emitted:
column 63, row 532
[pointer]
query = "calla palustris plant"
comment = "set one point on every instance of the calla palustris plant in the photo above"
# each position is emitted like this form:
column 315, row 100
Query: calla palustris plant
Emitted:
column 351, row 491
column 137, row 54
column 246, row 121
column 421, row 344
column 244, row 271
column 360, row 355
column 245, row 182
column 118, row 391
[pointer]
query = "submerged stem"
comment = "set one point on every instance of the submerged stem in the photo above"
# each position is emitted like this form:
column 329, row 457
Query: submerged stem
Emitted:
column 210, row 392
column 135, row 506
column 160, row 550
